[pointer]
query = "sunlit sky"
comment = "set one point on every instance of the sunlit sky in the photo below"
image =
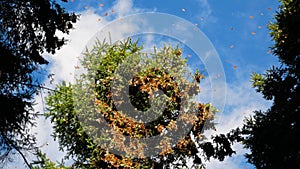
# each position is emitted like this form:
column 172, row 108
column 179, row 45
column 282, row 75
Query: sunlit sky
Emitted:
column 237, row 29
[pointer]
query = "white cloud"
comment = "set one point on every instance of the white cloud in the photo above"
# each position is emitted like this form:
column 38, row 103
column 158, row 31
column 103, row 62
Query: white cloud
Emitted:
column 65, row 60
column 241, row 101
column 124, row 8
column 206, row 11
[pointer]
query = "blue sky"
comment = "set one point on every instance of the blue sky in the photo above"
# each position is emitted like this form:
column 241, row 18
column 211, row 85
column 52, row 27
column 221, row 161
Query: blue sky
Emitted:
column 240, row 25
column 237, row 29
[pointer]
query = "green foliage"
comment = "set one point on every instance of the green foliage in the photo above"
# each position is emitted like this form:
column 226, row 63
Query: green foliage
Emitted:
column 27, row 29
column 286, row 35
column 273, row 135
column 76, row 123
column 258, row 82
column 46, row 163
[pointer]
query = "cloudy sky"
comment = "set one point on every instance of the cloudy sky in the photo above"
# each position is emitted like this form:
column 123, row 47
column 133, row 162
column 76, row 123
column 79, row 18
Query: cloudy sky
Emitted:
column 236, row 29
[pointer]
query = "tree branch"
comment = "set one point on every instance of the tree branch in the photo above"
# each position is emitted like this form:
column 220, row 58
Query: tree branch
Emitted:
column 10, row 144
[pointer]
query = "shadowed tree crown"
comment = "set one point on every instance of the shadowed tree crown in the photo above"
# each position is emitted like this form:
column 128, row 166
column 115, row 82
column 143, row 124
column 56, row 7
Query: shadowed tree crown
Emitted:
column 27, row 29
column 273, row 135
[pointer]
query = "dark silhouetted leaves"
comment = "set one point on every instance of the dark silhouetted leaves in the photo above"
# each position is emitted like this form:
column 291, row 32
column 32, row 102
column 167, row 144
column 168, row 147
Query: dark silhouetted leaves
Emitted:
column 272, row 136
column 27, row 29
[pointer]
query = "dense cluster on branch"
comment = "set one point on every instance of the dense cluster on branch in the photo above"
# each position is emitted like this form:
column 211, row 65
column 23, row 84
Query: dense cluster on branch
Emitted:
column 78, row 125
